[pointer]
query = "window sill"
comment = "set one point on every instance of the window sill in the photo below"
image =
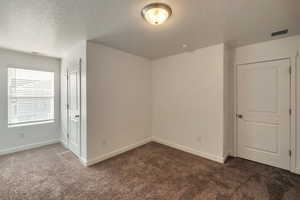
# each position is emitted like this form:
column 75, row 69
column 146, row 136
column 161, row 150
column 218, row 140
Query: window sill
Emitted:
column 30, row 124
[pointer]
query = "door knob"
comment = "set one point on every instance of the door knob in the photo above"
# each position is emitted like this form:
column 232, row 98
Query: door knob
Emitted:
column 239, row 116
column 77, row 116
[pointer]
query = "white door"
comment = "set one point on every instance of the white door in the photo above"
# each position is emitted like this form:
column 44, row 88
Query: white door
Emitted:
column 74, row 109
column 264, row 112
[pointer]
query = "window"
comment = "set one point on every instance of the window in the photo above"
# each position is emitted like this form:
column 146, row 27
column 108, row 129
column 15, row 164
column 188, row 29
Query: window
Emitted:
column 30, row 96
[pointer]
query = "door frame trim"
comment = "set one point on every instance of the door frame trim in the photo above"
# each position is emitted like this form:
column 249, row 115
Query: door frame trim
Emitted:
column 292, row 60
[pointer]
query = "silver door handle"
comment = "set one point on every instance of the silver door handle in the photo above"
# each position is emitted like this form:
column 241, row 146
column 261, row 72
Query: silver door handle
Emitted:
column 77, row 116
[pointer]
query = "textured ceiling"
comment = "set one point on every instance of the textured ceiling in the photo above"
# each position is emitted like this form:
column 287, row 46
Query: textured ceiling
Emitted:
column 53, row 26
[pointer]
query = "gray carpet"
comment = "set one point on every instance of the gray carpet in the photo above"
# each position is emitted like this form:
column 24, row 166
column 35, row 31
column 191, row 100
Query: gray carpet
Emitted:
column 153, row 172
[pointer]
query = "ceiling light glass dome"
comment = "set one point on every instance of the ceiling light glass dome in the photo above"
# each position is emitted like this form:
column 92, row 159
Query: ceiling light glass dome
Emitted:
column 156, row 13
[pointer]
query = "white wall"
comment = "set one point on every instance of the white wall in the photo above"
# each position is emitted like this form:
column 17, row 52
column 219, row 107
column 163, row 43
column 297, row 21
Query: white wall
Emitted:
column 228, row 89
column 188, row 106
column 282, row 48
column 73, row 56
column 191, row 96
column 298, row 112
column 17, row 138
column 118, row 100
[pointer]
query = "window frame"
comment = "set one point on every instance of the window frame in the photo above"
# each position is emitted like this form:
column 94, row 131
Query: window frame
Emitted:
column 32, row 122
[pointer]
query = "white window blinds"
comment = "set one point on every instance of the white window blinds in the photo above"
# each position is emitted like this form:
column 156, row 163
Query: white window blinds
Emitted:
column 30, row 96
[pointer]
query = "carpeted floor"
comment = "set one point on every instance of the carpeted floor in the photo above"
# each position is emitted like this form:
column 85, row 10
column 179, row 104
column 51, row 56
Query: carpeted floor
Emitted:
column 153, row 172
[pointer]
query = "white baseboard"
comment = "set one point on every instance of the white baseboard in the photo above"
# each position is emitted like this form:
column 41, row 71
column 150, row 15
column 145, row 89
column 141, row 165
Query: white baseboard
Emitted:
column 63, row 142
column 296, row 171
column 27, row 147
column 84, row 162
column 227, row 154
column 93, row 161
column 218, row 159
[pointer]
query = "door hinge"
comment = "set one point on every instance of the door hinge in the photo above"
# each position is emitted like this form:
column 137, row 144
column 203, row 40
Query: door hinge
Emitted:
column 68, row 135
column 68, row 106
column 290, row 153
column 290, row 70
column 290, row 111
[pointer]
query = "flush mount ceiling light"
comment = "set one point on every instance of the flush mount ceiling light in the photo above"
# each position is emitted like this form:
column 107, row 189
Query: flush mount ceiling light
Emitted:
column 156, row 13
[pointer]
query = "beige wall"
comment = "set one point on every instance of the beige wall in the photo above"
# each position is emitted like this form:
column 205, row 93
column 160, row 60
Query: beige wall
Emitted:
column 184, row 100
column 118, row 100
column 188, row 104
column 229, row 115
column 298, row 113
